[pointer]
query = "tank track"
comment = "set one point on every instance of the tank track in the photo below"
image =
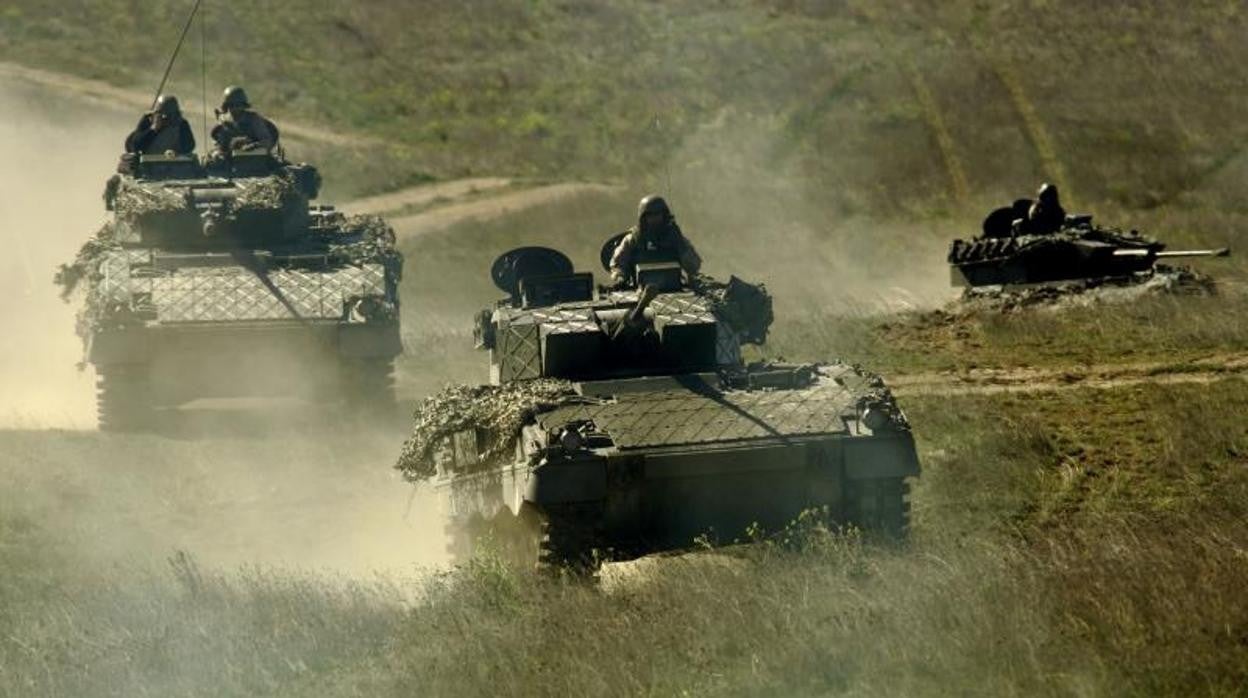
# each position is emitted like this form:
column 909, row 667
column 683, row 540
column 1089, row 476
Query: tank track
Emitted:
column 368, row 383
column 881, row 506
column 124, row 398
column 514, row 539
column 570, row 540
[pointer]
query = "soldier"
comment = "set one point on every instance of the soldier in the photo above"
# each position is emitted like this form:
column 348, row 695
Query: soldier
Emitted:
column 655, row 237
column 1046, row 215
column 239, row 127
column 162, row 130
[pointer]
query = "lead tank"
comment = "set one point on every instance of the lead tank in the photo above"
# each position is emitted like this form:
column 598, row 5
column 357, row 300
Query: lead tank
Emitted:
column 223, row 280
column 622, row 422
column 1079, row 250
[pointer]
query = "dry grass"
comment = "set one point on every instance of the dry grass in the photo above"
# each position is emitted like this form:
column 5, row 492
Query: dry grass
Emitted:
column 1087, row 543
column 1127, row 104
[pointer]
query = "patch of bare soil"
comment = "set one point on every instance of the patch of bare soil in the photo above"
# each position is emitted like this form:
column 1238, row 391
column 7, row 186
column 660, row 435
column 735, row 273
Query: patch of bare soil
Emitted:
column 987, row 381
column 427, row 195
column 111, row 96
column 490, row 207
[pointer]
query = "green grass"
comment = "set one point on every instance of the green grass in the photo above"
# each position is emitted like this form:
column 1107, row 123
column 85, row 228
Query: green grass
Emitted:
column 1131, row 103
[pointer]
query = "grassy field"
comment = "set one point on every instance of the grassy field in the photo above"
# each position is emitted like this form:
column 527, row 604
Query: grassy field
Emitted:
column 871, row 108
column 1088, row 542
column 1082, row 543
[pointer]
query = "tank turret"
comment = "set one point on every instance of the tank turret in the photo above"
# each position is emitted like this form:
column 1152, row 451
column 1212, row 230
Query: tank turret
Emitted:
column 221, row 279
column 1079, row 250
column 624, row 421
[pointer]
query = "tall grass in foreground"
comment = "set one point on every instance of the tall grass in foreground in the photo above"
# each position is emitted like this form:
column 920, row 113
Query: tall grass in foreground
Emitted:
column 1064, row 544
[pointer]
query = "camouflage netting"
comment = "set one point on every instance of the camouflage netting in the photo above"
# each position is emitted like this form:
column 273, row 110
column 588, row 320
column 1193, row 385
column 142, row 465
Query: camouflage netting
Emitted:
column 268, row 193
column 376, row 244
column 1161, row 280
column 134, row 200
column 86, row 262
column 495, row 412
column 744, row 306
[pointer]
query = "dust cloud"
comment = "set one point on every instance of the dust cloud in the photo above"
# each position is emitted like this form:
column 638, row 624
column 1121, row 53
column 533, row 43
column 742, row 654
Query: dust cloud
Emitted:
column 270, row 486
column 738, row 186
column 56, row 156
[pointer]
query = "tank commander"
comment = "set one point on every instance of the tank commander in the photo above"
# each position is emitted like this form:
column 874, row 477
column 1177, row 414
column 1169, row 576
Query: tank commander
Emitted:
column 656, row 237
column 241, row 128
column 162, row 130
column 1046, row 215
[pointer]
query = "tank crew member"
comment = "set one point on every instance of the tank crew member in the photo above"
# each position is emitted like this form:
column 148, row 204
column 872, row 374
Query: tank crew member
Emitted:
column 162, row 130
column 656, row 237
column 239, row 127
column 1046, row 215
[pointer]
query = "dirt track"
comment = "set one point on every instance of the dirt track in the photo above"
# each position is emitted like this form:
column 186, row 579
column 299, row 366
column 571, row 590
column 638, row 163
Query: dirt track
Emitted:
column 111, row 96
column 986, row 381
column 491, row 207
column 444, row 203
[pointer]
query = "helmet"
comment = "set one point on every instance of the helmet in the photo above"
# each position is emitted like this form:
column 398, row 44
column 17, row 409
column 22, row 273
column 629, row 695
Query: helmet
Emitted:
column 653, row 204
column 167, row 105
column 234, row 96
column 1047, row 193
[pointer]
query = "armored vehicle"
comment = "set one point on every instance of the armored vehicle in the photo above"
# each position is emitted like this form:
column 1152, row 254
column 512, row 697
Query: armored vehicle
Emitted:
column 623, row 421
column 1078, row 250
column 222, row 280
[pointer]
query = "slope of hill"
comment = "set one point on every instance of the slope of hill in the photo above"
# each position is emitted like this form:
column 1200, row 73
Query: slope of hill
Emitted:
column 878, row 107
column 1079, row 533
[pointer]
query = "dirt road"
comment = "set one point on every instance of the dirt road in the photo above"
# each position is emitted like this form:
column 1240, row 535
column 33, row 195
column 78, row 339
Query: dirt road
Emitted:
column 136, row 102
column 987, row 381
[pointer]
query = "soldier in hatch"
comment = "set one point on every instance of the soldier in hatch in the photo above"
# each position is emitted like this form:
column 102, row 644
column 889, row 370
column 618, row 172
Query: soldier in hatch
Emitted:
column 239, row 127
column 655, row 238
column 1046, row 215
column 162, row 130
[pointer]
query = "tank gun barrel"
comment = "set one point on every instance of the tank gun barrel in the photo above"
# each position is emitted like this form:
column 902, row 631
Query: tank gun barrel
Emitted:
column 1144, row 252
column 636, row 315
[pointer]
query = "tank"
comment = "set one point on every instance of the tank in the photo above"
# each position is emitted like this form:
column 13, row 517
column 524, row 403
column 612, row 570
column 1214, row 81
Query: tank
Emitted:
column 224, row 281
column 1078, row 250
column 621, row 422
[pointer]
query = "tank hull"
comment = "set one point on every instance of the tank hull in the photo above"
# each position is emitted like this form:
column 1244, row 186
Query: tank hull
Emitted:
column 692, row 459
column 656, row 501
column 226, row 360
column 1046, row 259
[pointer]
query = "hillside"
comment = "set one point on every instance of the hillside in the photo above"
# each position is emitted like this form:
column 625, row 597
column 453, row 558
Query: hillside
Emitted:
column 877, row 108
column 1079, row 528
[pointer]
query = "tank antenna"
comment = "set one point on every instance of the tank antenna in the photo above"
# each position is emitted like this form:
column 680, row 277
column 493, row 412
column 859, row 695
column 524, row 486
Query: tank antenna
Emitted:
column 174, row 56
column 203, row 73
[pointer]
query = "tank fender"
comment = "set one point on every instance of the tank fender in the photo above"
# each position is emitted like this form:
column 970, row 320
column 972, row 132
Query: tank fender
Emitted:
column 889, row 456
column 119, row 346
column 557, row 482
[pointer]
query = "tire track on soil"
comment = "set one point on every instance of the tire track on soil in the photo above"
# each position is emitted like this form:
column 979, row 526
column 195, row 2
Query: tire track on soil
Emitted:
column 1096, row 376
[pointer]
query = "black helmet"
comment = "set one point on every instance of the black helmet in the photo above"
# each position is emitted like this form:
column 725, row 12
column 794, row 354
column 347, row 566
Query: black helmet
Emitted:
column 1047, row 193
column 653, row 204
column 234, row 96
column 167, row 105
